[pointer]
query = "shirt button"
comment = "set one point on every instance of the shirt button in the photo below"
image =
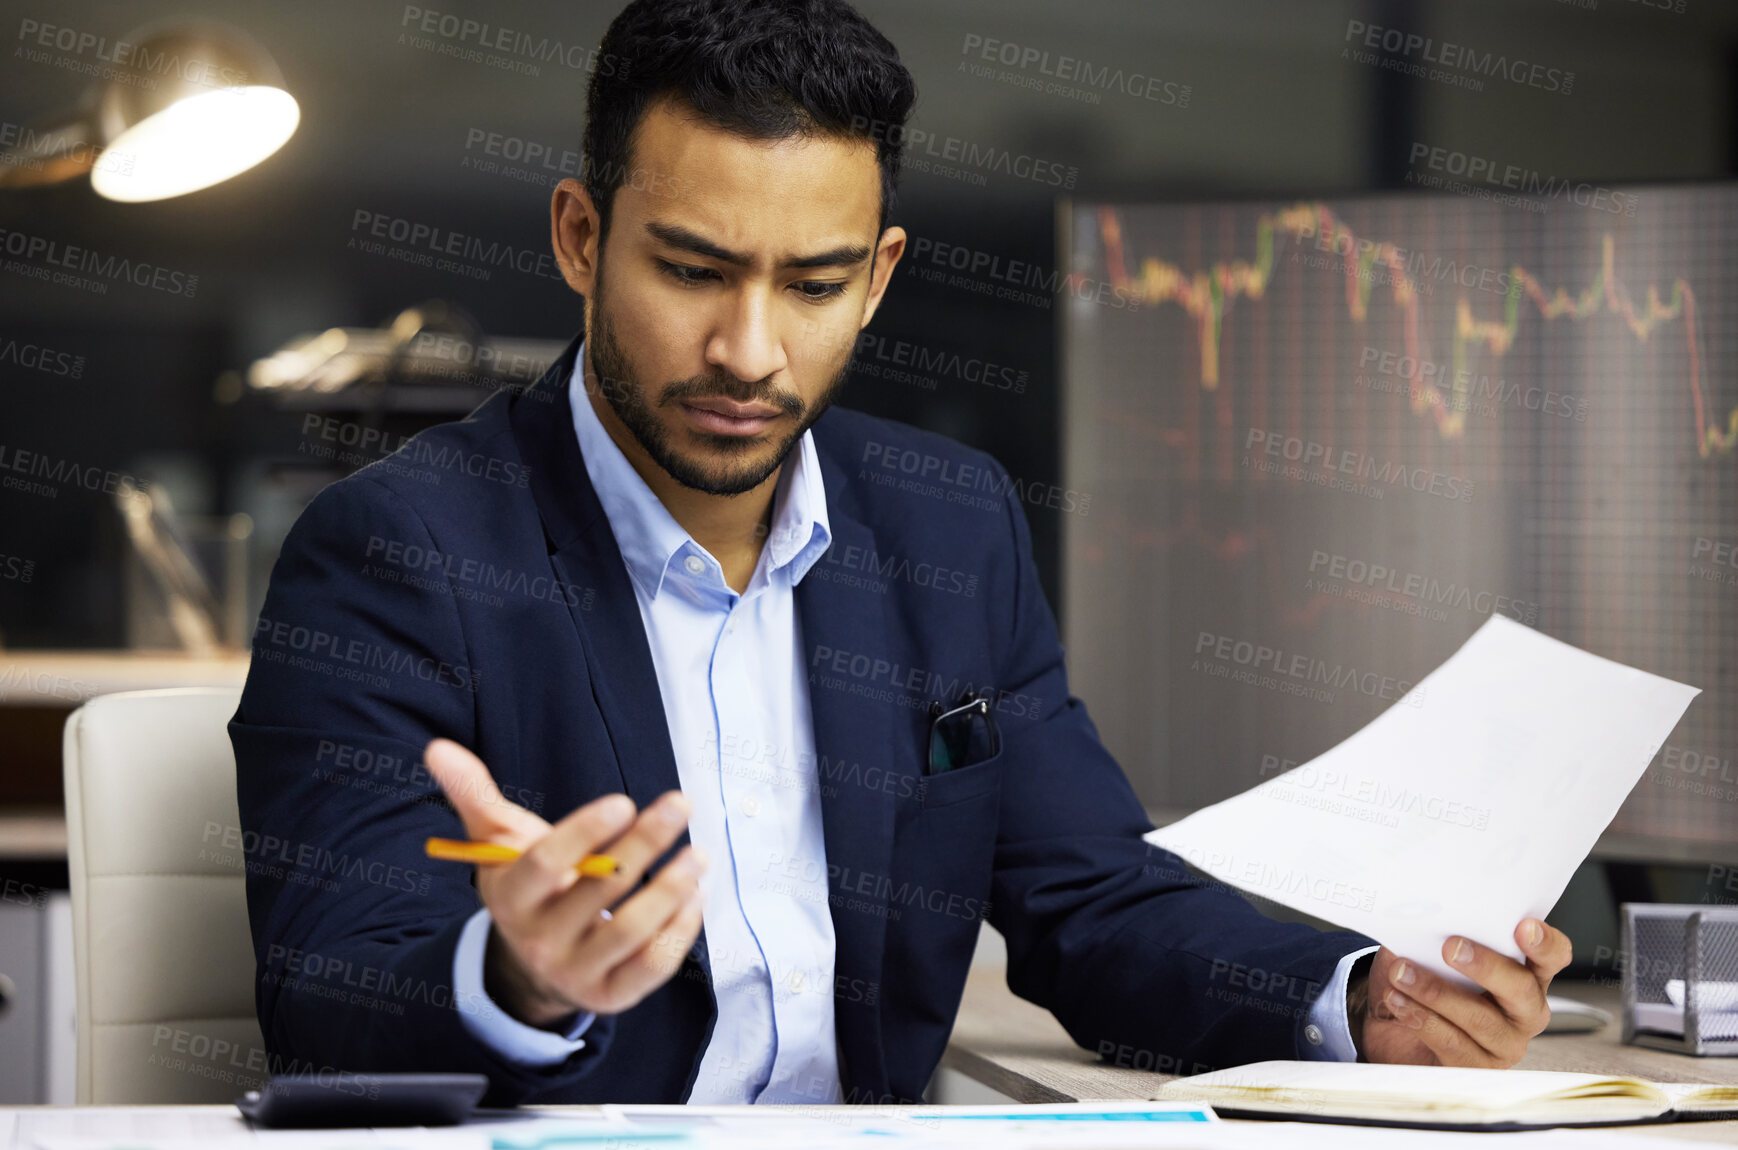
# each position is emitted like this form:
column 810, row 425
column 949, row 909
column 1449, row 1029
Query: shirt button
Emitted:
column 695, row 565
column 1313, row 1034
column 751, row 806
column 795, row 981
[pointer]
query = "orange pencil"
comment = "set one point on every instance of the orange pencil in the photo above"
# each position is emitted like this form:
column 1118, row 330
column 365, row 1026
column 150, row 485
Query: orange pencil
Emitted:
column 492, row 854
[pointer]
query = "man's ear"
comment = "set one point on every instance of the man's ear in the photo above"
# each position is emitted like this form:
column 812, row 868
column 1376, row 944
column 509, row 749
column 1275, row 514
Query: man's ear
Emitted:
column 574, row 234
column 887, row 252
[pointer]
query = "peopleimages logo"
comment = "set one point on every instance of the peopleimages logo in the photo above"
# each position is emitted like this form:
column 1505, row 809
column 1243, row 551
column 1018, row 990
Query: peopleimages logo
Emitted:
column 1065, row 75
column 894, row 566
column 479, row 42
column 474, row 574
column 1269, row 879
column 308, row 648
column 922, row 146
column 877, row 353
column 42, row 255
column 1464, row 389
column 1295, row 669
column 28, row 148
column 59, row 472
column 1001, row 277
column 268, row 856
column 14, row 569
column 1411, row 585
column 432, row 246
column 139, row 65
column 1459, row 64
column 957, row 482
column 1512, row 177
column 35, row 357
column 1317, row 460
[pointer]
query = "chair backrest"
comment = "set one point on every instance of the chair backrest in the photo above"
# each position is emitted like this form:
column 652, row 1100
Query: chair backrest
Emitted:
column 164, row 961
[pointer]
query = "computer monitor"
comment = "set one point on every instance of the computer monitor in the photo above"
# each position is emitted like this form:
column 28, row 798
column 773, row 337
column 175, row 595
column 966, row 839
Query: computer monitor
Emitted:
column 1323, row 440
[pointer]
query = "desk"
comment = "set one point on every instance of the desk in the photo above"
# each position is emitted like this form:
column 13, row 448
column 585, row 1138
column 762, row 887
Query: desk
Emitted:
column 1020, row 1050
column 191, row 1127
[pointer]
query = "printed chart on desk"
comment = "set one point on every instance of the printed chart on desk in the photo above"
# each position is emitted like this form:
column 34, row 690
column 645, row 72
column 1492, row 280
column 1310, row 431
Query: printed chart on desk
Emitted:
column 1326, row 439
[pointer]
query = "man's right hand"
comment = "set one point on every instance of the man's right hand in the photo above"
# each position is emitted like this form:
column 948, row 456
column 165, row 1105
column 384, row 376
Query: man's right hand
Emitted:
column 559, row 944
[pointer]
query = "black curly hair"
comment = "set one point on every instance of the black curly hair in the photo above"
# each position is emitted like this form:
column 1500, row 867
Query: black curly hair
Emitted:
column 763, row 69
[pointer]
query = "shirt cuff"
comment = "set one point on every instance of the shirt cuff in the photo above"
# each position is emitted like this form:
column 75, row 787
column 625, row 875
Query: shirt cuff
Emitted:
column 1328, row 1032
column 494, row 1027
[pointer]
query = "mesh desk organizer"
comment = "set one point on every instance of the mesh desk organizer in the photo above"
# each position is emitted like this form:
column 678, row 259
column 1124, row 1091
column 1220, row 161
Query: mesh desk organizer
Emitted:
column 1680, row 977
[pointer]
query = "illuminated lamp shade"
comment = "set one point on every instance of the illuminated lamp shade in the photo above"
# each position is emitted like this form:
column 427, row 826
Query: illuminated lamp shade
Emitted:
column 197, row 142
column 184, row 105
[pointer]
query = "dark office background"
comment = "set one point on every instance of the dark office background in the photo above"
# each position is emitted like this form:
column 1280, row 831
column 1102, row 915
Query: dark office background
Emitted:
column 1259, row 99
column 1273, row 108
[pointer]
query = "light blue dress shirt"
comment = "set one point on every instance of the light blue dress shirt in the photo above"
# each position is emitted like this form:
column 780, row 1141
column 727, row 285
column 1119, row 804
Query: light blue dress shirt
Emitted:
column 745, row 756
column 1328, row 1031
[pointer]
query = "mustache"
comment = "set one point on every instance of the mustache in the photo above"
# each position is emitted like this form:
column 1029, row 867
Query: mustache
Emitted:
column 701, row 387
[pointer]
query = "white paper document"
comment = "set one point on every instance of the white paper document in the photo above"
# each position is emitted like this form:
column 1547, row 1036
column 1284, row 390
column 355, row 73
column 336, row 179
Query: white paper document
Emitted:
column 1462, row 809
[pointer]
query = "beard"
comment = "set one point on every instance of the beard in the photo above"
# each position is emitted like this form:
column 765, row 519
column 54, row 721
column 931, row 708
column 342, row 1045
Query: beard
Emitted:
column 745, row 463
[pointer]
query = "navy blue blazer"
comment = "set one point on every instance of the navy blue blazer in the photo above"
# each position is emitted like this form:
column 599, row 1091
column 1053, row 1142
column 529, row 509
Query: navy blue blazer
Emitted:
column 469, row 586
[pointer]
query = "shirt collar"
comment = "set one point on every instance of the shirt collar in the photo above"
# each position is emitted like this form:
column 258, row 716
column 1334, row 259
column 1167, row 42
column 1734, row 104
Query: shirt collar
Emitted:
column 651, row 540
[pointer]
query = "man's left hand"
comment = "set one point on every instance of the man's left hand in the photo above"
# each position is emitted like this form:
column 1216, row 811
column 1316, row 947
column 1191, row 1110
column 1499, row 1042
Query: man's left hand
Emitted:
column 1412, row 1015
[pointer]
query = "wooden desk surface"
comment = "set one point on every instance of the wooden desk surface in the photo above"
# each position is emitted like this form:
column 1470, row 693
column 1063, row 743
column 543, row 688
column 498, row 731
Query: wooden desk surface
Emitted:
column 1018, row 1049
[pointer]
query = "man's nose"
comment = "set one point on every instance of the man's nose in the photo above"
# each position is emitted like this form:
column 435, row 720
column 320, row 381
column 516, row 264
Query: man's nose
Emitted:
column 747, row 342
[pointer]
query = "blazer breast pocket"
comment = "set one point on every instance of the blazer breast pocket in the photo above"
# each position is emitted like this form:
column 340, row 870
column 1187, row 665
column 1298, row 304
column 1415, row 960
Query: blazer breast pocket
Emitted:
column 962, row 784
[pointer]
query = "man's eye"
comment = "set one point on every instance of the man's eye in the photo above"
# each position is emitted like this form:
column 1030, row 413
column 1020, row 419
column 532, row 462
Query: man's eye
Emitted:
column 686, row 273
column 812, row 289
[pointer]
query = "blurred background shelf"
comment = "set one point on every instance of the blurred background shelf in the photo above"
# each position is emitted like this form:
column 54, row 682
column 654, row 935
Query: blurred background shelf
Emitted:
column 68, row 678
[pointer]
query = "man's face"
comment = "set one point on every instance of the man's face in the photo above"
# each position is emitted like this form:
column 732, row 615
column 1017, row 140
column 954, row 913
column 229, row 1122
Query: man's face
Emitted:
column 723, row 309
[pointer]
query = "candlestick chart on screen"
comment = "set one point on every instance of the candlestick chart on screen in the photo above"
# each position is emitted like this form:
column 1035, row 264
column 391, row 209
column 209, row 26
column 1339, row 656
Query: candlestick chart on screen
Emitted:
column 1326, row 439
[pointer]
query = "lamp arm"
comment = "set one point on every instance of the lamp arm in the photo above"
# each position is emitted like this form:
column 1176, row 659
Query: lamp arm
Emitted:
column 64, row 148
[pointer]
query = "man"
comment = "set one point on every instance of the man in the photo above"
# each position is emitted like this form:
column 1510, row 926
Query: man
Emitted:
column 626, row 598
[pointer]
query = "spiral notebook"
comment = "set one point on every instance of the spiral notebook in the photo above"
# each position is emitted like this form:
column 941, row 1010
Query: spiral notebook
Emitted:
column 1445, row 1096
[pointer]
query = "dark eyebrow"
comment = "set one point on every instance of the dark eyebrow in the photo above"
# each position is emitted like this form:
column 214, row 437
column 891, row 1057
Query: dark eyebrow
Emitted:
column 676, row 236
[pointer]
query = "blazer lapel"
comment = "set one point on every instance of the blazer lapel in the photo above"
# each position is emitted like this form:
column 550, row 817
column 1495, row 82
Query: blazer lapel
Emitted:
column 583, row 552
column 857, row 821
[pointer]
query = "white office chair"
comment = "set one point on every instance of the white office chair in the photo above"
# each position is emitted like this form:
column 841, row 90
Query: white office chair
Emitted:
column 163, row 961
